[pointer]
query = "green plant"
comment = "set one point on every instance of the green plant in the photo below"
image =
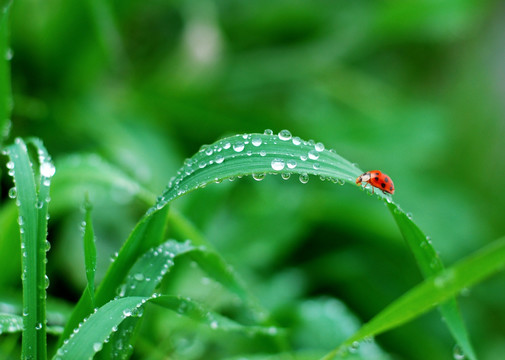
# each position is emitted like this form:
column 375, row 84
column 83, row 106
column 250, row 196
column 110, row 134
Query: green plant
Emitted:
column 105, row 321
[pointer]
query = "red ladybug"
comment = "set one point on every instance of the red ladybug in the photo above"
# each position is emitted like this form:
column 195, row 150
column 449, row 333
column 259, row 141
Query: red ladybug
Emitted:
column 377, row 179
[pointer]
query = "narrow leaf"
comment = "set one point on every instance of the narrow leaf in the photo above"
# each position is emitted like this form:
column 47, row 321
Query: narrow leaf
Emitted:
column 32, row 198
column 89, row 251
column 433, row 291
column 430, row 264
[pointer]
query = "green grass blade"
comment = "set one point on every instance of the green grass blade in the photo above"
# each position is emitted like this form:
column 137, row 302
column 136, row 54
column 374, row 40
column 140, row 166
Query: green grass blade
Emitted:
column 433, row 291
column 10, row 323
column 430, row 264
column 32, row 199
column 258, row 154
column 150, row 269
column 96, row 330
column 148, row 233
column 89, row 251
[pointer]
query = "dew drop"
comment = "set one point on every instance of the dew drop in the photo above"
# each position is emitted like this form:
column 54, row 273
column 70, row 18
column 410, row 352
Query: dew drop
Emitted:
column 13, row 192
column 219, row 159
column 39, row 204
column 284, row 135
column 9, row 54
column 319, row 147
column 291, row 164
column 139, row 277
column 316, row 166
column 10, row 165
column 226, row 145
column 209, row 151
column 46, row 281
column 238, row 146
column 457, row 353
column 268, row 132
column 47, row 169
column 263, row 153
column 304, row 178
column 296, row 140
column 21, row 220
column 354, row 347
column 127, row 312
column 214, row 324
column 278, row 164
column 286, row 176
column 258, row 177
column 97, row 346
column 256, row 141
column 38, row 326
column 313, row 155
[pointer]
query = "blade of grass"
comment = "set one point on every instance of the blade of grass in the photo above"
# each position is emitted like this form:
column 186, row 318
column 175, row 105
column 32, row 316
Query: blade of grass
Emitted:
column 259, row 154
column 150, row 269
column 89, row 252
column 92, row 333
column 32, row 199
column 148, row 232
column 433, row 291
column 430, row 264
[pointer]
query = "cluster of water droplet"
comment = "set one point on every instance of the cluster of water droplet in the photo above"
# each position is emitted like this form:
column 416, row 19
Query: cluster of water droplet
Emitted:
column 304, row 159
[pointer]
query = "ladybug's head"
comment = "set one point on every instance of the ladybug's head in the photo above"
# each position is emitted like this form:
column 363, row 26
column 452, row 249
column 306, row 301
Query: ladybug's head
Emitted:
column 363, row 178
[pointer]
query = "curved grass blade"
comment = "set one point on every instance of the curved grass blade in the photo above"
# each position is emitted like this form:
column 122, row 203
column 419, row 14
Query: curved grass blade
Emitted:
column 434, row 290
column 32, row 199
column 10, row 323
column 150, row 269
column 258, row 154
column 96, row 330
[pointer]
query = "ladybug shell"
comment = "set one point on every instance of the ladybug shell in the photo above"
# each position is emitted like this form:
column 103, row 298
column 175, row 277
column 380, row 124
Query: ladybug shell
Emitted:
column 379, row 180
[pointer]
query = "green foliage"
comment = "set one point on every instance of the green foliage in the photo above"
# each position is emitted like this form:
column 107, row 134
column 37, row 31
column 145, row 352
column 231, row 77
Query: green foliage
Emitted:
column 290, row 267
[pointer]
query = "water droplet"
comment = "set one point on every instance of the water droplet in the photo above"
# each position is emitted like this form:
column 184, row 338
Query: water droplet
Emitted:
column 13, row 192
column 278, row 164
column 39, row 204
column 409, row 215
column 139, row 277
column 127, row 312
column 46, row 281
column 296, row 140
column 354, row 347
column 209, row 151
column 21, row 220
column 304, row 178
column 214, row 324
column 268, row 132
column 319, row 147
column 284, row 135
column 38, row 326
column 238, row 146
column 219, row 159
column 226, row 145
column 47, row 169
column 313, row 155
column 97, row 347
column 286, row 176
column 457, row 353
column 10, row 165
column 48, row 245
column 291, row 164
column 256, row 141
column 263, row 153
column 316, row 166
column 258, row 177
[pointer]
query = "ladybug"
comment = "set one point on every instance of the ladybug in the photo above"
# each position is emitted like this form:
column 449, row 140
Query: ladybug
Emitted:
column 377, row 179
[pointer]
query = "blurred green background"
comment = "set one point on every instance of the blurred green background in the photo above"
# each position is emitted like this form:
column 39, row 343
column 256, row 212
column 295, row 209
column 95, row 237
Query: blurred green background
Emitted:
column 413, row 88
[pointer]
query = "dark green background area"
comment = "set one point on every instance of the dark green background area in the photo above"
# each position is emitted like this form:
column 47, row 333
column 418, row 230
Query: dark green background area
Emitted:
column 413, row 88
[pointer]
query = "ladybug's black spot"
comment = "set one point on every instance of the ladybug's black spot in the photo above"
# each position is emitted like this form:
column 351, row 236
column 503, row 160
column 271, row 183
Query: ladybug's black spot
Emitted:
column 383, row 185
column 376, row 178
column 377, row 174
column 386, row 179
column 391, row 188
